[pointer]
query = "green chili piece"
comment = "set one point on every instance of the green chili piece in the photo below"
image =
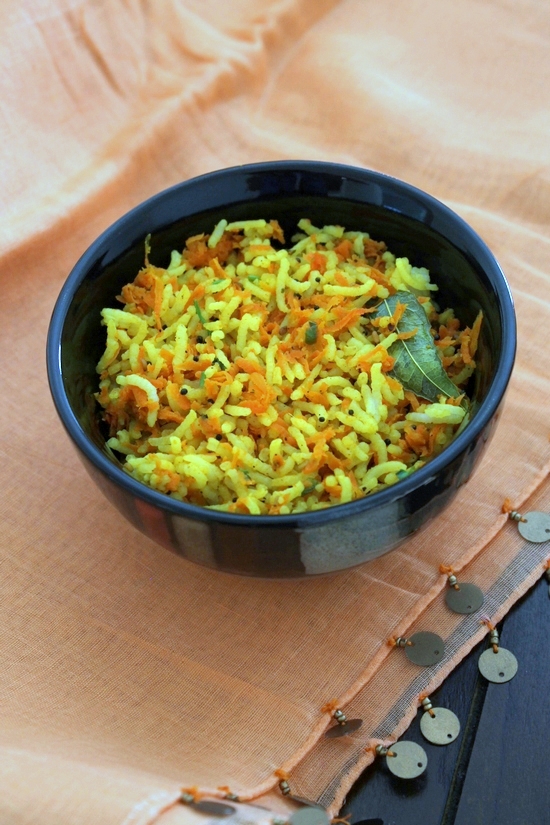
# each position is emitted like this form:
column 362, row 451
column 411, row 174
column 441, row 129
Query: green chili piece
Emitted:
column 311, row 333
column 202, row 379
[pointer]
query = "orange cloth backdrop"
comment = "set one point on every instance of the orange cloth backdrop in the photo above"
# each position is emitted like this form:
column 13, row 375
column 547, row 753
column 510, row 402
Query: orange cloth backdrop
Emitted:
column 127, row 672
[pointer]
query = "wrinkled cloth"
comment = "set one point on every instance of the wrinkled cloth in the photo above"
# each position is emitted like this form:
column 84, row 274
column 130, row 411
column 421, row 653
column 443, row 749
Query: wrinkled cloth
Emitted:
column 129, row 673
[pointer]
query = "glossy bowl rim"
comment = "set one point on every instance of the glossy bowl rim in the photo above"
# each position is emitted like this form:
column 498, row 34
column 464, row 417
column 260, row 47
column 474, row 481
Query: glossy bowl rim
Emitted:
column 475, row 245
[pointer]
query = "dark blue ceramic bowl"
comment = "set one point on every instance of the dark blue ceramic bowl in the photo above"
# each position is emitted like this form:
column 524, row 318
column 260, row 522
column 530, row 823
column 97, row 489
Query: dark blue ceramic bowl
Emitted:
column 413, row 224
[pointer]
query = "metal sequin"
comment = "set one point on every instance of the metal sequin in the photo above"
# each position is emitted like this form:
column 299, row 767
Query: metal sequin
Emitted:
column 426, row 649
column 350, row 726
column 466, row 600
column 498, row 667
column 440, row 729
column 209, row 806
column 410, row 760
column 310, row 816
column 536, row 527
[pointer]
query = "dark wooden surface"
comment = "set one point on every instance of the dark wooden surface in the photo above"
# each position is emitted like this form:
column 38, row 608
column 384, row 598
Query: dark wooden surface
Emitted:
column 498, row 770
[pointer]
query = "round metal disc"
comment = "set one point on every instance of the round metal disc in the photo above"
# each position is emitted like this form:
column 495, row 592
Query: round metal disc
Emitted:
column 466, row 600
column 536, row 527
column 441, row 729
column 343, row 730
column 498, row 667
column 310, row 816
column 209, row 806
column 426, row 649
column 410, row 760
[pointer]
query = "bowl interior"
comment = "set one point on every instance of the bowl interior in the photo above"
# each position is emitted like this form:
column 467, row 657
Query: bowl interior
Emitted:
column 405, row 222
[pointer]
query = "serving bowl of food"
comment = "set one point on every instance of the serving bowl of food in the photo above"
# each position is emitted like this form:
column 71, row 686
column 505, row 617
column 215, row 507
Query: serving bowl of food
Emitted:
column 282, row 369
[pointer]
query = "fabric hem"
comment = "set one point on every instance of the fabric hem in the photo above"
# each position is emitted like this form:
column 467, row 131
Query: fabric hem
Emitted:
column 359, row 764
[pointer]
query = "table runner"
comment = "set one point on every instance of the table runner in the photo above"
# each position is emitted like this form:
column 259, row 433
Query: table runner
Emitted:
column 127, row 672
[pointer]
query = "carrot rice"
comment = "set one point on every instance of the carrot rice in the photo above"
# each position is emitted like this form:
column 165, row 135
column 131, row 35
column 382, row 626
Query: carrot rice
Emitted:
column 250, row 378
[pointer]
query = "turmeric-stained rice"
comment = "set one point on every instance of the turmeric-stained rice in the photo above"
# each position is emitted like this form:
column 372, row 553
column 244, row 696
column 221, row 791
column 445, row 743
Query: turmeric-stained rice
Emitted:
column 251, row 378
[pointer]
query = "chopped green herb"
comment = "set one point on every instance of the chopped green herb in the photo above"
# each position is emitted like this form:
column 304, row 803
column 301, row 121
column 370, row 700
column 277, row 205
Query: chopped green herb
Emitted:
column 311, row 333
column 253, row 277
column 202, row 379
column 402, row 474
column 198, row 310
column 219, row 363
column 308, row 490
column 219, row 281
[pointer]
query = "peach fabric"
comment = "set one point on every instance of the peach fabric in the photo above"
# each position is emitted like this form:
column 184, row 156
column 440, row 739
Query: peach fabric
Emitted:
column 128, row 673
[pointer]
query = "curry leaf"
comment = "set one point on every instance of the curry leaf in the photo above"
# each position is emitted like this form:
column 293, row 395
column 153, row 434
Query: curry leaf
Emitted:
column 417, row 364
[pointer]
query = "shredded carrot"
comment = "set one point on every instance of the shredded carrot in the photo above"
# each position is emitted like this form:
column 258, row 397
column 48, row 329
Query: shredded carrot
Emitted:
column 210, row 426
column 381, row 279
column 196, row 295
column 318, row 262
column 246, row 365
column 316, row 459
column 166, row 414
column 404, row 336
column 318, row 398
column 346, row 321
column 474, row 337
column 378, row 354
column 344, row 249
column 219, row 272
column 393, row 384
column 259, row 396
column 412, row 399
column 435, row 431
column 398, row 313
column 465, row 348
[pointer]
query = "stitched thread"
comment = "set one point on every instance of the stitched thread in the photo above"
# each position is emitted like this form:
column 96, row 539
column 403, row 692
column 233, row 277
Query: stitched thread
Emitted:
column 194, row 792
column 491, row 627
column 421, row 699
column 330, row 707
column 392, row 642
